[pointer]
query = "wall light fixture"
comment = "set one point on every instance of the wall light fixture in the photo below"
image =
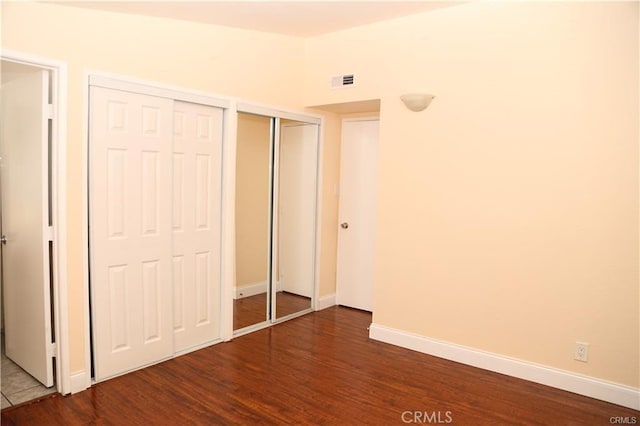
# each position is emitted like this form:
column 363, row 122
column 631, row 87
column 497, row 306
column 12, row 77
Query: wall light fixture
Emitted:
column 417, row 101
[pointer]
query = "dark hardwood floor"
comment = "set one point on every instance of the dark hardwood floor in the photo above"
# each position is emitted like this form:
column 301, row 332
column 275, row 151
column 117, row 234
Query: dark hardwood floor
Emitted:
column 317, row 369
column 253, row 309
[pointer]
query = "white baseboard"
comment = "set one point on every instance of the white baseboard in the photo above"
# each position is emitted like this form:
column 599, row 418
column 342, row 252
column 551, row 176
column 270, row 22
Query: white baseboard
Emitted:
column 79, row 382
column 588, row 386
column 250, row 290
column 326, row 302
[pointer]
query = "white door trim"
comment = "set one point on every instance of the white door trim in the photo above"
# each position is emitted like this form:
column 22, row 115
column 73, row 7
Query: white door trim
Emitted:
column 126, row 84
column 59, row 87
column 228, row 216
column 274, row 172
column 267, row 111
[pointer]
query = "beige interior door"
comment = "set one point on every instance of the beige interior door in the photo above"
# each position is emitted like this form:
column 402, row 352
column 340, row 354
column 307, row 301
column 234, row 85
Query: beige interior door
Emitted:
column 130, row 205
column 197, row 184
column 356, row 236
column 25, row 223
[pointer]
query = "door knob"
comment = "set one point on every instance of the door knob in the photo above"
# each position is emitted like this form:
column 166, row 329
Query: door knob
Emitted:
column 3, row 240
column 344, row 225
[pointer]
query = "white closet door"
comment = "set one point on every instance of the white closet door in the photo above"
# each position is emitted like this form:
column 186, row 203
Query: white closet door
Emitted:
column 197, row 166
column 130, row 229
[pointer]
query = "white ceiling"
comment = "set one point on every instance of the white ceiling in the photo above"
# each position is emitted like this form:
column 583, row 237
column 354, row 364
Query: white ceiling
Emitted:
column 296, row 18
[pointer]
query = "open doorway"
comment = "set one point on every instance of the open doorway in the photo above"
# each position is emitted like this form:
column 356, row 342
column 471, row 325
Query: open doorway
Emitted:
column 26, row 218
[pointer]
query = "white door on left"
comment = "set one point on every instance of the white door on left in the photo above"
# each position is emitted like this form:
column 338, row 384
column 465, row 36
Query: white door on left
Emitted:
column 25, row 221
column 130, row 205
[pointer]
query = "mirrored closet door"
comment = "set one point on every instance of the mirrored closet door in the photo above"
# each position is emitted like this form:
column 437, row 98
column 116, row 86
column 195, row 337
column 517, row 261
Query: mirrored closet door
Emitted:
column 276, row 193
column 253, row 212
column 295, row 203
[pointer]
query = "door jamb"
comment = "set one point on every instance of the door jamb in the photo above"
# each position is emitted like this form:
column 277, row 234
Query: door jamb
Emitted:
column 59, row 90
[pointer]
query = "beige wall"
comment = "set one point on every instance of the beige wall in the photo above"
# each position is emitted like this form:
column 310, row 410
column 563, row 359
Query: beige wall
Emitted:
column 508, row 210
column 256, row 66
column 330, row 178
column 252, row 199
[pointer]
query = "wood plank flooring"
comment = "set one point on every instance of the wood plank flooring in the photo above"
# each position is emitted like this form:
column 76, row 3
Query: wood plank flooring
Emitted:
column 317, row 369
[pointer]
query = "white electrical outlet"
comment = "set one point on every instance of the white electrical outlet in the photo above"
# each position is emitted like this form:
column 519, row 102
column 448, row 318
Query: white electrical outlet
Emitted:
column 582, row 352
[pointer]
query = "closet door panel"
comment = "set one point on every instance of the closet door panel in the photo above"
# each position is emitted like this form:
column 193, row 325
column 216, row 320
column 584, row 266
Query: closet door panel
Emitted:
column 197, row 160
column 130, row 229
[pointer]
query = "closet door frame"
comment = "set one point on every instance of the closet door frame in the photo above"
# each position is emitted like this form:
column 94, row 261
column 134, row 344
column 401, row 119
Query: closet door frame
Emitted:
column 277, row 115
column 124, row 84
column 231, row 106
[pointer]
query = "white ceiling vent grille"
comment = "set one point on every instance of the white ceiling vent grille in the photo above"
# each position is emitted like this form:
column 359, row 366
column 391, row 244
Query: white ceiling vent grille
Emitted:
column 345, row 80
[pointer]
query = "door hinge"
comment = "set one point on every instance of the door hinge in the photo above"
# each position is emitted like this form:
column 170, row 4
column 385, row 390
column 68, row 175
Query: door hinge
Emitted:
column 49, row 235
column 53, row 349
column 51, row 112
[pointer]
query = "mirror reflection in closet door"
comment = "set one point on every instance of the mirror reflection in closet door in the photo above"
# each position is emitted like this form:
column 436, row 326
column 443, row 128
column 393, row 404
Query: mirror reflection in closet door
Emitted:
column 253, row 170
column 295, row 229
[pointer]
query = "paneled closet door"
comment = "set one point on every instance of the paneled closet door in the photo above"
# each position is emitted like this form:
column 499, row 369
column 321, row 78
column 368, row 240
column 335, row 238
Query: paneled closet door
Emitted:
column 130, row 206
column 197, row 166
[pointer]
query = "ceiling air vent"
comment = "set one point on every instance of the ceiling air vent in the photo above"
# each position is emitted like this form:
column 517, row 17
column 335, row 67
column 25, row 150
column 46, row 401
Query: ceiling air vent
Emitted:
column 345, row 80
